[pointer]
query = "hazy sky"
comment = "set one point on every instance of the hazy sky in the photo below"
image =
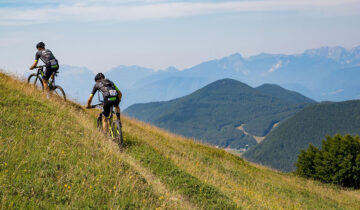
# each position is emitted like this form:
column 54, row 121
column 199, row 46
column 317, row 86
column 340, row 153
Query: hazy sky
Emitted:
column 157, row 34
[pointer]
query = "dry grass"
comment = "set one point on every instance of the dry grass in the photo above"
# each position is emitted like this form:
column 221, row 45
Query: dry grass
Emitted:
column 92, row 164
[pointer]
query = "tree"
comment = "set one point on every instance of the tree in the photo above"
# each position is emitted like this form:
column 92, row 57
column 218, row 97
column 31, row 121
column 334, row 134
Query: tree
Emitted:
column 337, row 162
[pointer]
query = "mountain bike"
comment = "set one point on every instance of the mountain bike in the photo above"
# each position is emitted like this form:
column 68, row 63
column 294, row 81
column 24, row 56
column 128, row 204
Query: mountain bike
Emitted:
column 35, row 77
column 115, row 126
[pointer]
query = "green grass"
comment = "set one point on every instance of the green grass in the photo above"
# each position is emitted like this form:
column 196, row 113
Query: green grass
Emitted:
column 198, row 192
column 248, row 185
column 52, row 156
column 49, row 158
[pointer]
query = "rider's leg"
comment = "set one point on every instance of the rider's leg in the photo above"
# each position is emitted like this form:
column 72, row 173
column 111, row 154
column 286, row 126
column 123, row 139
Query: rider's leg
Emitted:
column 106, row 113
column 46, row 87
column 117, row 111
column 46, row 77
column 105, row 124
column 52, row 78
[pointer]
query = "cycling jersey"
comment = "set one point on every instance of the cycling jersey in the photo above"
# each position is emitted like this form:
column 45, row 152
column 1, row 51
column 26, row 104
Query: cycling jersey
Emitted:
column 107, row 88
column 48, row 58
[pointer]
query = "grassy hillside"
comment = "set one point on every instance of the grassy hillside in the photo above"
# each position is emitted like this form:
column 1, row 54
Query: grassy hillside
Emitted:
column 214, row 112
column 291, row 97
column 281, row 147
column 52, row 155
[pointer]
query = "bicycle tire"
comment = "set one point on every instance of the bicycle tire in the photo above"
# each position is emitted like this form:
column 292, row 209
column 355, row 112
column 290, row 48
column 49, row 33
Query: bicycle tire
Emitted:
column 33, row 79
column 61, row 93
column 117, row 132
column 99, row 123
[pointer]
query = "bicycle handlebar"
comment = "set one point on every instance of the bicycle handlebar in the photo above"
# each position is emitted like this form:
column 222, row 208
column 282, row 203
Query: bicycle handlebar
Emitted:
column 41, row 66
column 95, row 105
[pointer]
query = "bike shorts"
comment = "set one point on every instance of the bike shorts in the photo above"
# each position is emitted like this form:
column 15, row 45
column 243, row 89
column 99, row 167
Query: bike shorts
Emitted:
column 108, row 102
column 48, row 72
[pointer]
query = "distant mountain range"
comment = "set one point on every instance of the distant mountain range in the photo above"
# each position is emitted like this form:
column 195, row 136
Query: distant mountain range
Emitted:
column 225, row 113
column 327, row 73
column 282, row 145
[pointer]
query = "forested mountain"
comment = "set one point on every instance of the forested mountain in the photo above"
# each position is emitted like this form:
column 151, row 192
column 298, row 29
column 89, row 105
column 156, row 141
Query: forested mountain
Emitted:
column 281, row 147
column 277, row 91
column 214, row 113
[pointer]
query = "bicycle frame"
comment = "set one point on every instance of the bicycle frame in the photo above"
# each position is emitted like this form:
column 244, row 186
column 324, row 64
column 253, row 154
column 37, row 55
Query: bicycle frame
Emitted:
column 115, row 130
column 110, row 117
column 40, row 74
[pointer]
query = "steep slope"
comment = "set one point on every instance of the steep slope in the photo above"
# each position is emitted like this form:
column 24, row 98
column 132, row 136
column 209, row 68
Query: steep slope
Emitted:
column 281, row 147
column 52, row 156
column 291, row 97
column 213, row 113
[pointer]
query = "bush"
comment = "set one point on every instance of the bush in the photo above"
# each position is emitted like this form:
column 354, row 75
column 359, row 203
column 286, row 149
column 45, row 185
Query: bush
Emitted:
column 337, row 162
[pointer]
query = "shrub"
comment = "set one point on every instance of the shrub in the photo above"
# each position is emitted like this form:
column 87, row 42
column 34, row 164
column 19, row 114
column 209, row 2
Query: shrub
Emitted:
column 337, row 162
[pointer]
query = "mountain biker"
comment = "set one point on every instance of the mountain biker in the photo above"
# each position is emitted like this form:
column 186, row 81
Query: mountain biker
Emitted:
column 49, row 60
column 112, row 97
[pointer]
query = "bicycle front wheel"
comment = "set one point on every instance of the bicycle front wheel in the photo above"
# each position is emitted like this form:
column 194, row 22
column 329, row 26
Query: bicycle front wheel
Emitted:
column 59, row 92
column 36, row 81
column 117, row 133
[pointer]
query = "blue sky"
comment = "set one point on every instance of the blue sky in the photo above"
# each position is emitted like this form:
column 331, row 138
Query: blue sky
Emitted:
column 159, row 33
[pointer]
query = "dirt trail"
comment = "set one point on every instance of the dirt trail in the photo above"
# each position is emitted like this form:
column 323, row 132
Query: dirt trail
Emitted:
column 257, row 138
column 174, row 200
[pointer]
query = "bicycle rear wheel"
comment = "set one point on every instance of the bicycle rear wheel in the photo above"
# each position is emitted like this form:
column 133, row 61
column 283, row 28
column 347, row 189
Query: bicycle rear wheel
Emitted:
column 57, row 90
column 99, row 122
column 117, row 132
column 36, row 81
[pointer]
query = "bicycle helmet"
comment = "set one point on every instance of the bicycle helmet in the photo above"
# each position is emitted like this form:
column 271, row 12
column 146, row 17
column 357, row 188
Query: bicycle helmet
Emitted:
column 40, row 45
column 99, row 76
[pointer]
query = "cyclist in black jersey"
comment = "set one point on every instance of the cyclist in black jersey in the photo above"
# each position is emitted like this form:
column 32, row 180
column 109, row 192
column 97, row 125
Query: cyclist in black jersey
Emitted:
column 112, row 97
column 52, row 64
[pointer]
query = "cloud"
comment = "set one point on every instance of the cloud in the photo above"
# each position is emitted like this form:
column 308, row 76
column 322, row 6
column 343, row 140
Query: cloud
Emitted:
column 110, row 10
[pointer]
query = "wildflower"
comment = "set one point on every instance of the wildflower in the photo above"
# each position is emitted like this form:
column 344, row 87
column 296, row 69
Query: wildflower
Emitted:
column 69, row 187
column 161, row 197
column 5, row 164
column 114, row 187
column 65, row 185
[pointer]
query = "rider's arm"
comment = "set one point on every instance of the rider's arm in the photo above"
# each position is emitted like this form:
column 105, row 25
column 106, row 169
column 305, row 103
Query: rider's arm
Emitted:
column 119, row 92
column 89, row 100
column 37, row 56
column 34, row 65
column 92, row 95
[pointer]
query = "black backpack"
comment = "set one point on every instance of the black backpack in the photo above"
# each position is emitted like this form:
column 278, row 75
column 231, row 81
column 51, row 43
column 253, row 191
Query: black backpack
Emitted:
column 108, row 88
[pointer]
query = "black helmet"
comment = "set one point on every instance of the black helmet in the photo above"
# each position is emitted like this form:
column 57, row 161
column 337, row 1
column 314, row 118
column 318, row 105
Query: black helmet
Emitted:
column 40, row 45
column 99, row 76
